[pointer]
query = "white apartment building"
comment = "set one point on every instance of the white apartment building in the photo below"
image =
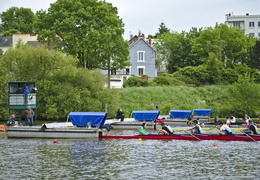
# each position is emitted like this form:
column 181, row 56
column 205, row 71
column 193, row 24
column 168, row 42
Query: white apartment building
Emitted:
column 249, row 23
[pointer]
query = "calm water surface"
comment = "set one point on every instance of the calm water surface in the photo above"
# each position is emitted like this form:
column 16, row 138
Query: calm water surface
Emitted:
column 127, row 159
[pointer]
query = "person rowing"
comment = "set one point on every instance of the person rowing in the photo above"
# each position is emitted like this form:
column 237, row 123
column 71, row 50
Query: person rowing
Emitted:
column 224, row 129
column 196, row 129
column 252, row 129
column 166, row 130
column 142, row 130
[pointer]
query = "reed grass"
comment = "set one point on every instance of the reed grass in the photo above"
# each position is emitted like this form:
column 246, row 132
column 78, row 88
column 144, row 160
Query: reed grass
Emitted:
column 178, row 98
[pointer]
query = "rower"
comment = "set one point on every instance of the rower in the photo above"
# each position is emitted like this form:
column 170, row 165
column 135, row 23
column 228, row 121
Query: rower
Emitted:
column 224, row 129
column 196, row 129
column 142, row 130
column 251, row 130
column 166, row 130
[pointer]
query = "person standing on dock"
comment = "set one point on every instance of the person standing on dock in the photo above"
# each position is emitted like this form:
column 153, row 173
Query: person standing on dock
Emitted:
column 120, row 114
column 196, row 129
column 142, row 130
column 224, row 129
column 29, row 113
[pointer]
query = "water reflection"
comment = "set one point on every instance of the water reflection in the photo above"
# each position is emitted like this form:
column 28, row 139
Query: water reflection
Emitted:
column 128, row 159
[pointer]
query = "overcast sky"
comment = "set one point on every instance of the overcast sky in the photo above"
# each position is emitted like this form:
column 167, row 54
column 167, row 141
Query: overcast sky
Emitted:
column 147, row 15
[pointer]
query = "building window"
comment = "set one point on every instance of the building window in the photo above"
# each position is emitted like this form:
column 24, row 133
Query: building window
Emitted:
column 251, row 24
column 140, row 56
column 258, row 35
column 258, row 23
column 140, row 70
column 236, row 24
column 252, row 34
column 127, row 71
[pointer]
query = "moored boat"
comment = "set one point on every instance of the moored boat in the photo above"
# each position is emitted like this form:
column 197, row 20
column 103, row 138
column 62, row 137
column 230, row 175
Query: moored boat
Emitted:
column 83, row 125
column 191, row 137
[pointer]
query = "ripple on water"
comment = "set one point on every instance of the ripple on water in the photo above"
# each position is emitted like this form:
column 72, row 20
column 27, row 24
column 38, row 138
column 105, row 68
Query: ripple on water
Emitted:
column 128, row 159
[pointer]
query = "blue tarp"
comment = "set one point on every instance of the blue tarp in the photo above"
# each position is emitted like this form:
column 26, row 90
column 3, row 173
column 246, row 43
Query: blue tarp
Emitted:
column 145, row 115
column 202, row 112
column 180, row 114
column 83, row 118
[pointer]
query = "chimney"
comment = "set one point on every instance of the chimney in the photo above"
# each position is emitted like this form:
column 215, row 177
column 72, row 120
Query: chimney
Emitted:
column 150, row 41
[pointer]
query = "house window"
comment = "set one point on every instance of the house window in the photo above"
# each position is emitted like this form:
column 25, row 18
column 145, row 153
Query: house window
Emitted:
column 140, row 70
column 258, row 23
column 127, row 71
column 140, row 56
column 251, row 24
column 252, row 34
column 236, row 24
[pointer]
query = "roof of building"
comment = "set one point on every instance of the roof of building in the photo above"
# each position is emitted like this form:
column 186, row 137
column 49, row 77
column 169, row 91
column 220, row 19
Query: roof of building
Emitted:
column 6, row 41
column 136, row 39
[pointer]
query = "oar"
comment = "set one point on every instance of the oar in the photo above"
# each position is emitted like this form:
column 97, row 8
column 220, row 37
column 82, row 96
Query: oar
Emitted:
column 194, row 136
column 250, row 137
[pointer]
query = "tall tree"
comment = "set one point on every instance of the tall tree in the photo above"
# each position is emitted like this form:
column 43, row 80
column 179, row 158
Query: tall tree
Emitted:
column 17, row 19
column 62, row 87
column 254, row 60
column 91, row 30
column 176, row 49
column 228, row 43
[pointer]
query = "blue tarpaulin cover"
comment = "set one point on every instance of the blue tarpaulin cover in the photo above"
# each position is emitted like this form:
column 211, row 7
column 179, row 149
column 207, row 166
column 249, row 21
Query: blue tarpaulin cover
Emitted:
column 202, row 112
column 83, row 118
column 180, row 114
column 145, row 115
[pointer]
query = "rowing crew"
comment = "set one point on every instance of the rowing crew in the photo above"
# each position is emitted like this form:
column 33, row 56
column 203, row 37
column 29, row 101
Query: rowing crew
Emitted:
column 196, row 129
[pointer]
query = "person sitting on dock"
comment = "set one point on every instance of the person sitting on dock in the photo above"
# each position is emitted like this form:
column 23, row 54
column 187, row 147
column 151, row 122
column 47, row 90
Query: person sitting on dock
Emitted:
column 142, row 130
column 216, row 121
column 120, row 114
column 196, row 129
column 252, row 129
column 166, row 130
column 224, row 129
column 11, row 120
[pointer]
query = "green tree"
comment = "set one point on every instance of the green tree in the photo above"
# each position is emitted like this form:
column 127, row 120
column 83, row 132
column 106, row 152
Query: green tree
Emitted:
column 17, row 19
column 162, row 30
column 87, row 29
column 62, row 86
column 176, row 49
column 245, row 95
column 254, row 60
column 228, row 43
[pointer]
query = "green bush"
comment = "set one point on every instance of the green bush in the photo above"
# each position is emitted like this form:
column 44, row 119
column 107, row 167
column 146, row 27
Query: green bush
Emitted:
column 165, row 80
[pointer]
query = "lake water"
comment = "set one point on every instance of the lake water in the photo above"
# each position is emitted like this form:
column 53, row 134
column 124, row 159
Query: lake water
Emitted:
column 127, row 159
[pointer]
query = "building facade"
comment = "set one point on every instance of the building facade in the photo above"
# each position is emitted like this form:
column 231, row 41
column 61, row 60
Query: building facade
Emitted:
column 142, row 57
column 249, row 23
column 8, row 42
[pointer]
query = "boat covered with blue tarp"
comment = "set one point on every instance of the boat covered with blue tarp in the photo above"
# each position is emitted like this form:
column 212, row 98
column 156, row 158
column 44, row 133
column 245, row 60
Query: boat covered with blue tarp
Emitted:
column 202, row 112
column 145, row 115
column 179, row 114
column 88, row 118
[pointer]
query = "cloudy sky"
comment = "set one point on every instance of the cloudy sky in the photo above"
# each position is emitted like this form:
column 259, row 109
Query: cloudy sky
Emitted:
column 146, row 15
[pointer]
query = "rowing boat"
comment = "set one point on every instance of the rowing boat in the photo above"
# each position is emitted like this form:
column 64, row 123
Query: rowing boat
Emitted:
column 208, row 128
column 241, row 137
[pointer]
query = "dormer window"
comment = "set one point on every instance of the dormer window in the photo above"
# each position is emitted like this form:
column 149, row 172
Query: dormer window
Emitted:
column 140, row 56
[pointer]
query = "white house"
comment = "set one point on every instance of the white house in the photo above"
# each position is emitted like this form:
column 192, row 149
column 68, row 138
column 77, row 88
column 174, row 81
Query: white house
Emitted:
column 249, row 23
